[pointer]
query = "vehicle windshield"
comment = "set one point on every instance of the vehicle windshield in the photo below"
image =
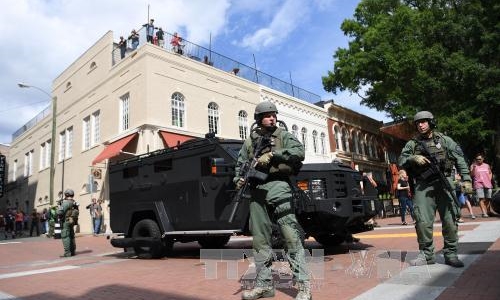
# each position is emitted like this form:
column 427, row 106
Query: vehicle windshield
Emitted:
column 233, row 150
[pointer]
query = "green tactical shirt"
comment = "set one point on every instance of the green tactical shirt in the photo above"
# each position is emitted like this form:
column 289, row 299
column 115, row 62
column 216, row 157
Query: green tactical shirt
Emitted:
column 53, row 214
column 451, row 148
column 290, row 150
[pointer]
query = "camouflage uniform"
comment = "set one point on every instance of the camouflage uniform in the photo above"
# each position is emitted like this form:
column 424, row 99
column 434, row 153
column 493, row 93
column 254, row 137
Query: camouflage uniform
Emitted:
column 271, row 201
column 52, row 220
column 67, row 231
column 430, row 194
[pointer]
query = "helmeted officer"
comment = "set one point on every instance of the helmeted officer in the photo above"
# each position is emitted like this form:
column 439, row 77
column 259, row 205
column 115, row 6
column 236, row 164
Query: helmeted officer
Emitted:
column 271, row 201
column 430, row 193
column 67, row 218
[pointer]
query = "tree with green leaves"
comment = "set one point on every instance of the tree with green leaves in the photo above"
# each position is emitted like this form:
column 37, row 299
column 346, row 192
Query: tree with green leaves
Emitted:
column 436, row 55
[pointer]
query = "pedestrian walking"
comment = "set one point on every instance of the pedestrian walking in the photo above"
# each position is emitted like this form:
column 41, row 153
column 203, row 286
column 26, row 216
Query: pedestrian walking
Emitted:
column 404, row 197
column 481, row 172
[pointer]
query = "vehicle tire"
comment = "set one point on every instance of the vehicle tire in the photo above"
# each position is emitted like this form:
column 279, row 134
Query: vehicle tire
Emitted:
column 330, row 240
column 495, row 202
column 148, row 228
column 214, row 242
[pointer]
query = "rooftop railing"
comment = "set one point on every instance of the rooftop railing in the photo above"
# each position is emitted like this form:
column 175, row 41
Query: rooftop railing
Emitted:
column 219, row 61
column 202, row 55
column 39, row 117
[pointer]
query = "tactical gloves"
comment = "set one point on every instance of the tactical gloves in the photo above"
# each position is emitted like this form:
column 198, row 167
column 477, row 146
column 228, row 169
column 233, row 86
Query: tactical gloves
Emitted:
column 265, row 159
column 240, row 183
column 468, row 187
column 419, row 160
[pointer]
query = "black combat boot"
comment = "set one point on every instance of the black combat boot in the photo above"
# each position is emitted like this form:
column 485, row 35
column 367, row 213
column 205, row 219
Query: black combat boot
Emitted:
column 454, row 262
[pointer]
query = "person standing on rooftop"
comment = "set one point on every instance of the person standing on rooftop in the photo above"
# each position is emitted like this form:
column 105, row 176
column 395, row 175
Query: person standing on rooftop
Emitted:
column 150, row 31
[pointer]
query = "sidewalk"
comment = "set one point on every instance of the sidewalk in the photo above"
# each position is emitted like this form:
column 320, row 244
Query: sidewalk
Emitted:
column 478, row 248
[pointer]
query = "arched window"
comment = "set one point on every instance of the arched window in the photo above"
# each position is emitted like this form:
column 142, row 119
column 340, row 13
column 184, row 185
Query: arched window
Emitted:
column 295, row 131
column 345, row 140
column 315, row 141
column 363, row 145
column 322, row 140
column 370, row 148
column 375, row 147
column 243, row 124
column 303, row 135
column 336, row 130
column 213, row 118
column 178, row 113
column 356, row 142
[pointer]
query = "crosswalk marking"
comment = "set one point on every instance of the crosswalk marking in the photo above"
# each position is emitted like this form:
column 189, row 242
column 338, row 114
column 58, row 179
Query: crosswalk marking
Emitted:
column 39, row 271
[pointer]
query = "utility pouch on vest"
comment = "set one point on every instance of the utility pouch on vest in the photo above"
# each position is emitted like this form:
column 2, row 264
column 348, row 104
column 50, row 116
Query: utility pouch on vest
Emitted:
column 427, row 174
column 256, row 176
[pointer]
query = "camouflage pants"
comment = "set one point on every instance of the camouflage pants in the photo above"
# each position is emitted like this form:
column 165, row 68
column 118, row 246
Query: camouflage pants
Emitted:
column 273, row 201
column 68, row 239
column 52, row 225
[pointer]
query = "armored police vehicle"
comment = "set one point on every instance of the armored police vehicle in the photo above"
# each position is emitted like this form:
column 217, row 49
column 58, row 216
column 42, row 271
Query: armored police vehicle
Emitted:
column 186, row 194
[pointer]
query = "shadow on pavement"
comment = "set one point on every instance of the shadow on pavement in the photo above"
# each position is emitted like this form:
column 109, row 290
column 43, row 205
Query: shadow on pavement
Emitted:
column 113, row 292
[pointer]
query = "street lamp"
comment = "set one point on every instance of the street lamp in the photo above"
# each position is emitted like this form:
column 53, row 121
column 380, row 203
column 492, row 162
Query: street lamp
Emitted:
column 52, row 142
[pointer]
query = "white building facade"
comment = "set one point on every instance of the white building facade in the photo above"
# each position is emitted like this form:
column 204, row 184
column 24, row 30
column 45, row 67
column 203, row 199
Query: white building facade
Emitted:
column 109, row 109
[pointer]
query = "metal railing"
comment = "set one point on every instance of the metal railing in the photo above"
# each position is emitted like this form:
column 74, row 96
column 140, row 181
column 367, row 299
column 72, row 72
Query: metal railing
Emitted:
column 219, row 61
column 39, row 117
column 202, row 55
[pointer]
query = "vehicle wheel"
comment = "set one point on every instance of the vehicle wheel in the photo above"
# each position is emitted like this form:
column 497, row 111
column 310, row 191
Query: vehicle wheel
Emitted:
column 495, row 202
column 148, row 228
column 329, row 240
column 214, row 242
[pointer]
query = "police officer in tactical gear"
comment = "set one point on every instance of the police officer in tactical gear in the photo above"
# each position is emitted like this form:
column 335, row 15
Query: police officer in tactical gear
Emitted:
column 68, row 222
column 430, row 192
column 271, row 201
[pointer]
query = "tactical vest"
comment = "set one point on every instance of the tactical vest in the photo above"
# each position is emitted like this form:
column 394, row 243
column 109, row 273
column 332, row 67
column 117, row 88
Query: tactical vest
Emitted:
column 72, row 214
column 274, row 168
column 437, row 146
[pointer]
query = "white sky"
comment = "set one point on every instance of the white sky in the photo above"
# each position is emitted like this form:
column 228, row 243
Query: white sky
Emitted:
column 294, row 38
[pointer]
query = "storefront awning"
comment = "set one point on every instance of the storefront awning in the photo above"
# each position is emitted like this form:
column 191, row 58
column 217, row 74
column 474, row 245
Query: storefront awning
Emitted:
column 173, row 139
column 113, row 149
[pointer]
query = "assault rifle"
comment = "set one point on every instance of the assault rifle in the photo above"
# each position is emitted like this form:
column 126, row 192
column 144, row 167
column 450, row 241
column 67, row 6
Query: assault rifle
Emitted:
column 250, row 174
column 434, row 169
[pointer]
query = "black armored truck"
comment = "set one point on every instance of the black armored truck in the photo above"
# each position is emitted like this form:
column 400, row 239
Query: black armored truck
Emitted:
column 186, row 194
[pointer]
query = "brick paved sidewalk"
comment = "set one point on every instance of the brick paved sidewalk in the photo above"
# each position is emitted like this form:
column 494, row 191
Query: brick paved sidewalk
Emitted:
column 480, row 281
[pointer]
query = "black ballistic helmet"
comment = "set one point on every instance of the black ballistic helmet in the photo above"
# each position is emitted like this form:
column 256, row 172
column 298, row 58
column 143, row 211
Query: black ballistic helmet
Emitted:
column 69, row 193
column 264, row 107
column 425, row 115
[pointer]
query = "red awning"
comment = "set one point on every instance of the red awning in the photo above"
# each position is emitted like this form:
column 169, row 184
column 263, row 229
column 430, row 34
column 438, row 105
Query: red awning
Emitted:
column 173, row 139
column 114, row 148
